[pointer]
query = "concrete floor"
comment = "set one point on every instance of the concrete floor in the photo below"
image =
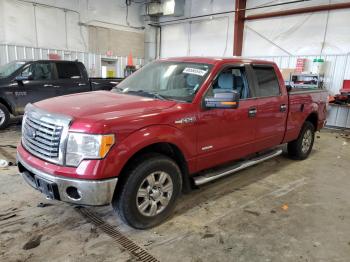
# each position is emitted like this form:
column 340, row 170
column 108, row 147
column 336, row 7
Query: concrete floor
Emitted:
column 280, row 210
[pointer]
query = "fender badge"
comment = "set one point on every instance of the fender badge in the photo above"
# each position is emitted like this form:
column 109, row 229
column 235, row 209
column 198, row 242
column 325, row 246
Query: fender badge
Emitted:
column 186, row 120
column 207, row 147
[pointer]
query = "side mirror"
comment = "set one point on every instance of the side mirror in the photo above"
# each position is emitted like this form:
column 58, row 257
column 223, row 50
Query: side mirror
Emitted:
column 223, row 99
column 289, row 88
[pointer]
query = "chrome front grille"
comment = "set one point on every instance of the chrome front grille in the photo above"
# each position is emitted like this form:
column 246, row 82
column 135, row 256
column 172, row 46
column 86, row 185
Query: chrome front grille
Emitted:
column 42, row 138
column 44, row 134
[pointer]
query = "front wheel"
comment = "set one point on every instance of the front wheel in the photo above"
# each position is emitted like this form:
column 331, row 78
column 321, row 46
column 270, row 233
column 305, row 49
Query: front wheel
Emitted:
column 302, row 146
column 148, row 195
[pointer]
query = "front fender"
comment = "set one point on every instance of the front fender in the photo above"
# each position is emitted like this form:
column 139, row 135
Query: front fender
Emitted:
column 133, row 143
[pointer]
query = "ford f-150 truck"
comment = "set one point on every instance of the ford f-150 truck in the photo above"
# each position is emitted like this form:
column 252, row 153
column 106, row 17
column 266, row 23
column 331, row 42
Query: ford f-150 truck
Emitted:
column 23, row 82
column 170, row 127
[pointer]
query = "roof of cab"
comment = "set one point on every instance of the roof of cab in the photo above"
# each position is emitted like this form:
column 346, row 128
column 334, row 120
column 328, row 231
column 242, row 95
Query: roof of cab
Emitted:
column 44, row 60
column 215, row 60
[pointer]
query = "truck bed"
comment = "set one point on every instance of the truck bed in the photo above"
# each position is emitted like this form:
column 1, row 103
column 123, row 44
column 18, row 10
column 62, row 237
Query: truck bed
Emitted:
column 299, row 90
column 302, row 101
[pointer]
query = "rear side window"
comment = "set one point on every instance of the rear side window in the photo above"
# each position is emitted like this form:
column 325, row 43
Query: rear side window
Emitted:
column 267, row 82
column 68, row 71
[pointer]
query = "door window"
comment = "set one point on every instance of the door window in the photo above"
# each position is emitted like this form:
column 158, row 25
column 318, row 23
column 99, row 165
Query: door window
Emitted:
column 68, row 71
column 38, row 71
column 267, row 81
column 231, row 79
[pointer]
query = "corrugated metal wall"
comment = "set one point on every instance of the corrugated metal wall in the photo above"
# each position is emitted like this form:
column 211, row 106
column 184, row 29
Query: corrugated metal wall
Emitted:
column 337, row 68
column 91, row 61
column 338, row 116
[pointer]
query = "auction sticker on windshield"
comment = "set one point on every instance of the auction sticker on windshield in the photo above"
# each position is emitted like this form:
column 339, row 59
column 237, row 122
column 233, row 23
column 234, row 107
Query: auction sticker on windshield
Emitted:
column 195, row 71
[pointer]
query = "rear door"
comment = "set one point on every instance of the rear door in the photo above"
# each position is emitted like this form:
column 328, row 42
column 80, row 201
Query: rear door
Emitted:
column 71, row 79
column 271, row 111
column 227, row 134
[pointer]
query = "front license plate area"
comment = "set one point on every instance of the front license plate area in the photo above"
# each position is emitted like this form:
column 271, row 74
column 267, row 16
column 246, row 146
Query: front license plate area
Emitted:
column 47, row 188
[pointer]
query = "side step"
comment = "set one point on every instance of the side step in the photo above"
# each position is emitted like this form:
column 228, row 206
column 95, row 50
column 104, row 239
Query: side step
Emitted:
column 213, row 175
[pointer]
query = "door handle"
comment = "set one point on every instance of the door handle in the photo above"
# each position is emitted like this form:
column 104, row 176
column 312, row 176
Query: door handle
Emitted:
column 48, row 85
column 82, row 84
column 252, row 112
column 283, row 108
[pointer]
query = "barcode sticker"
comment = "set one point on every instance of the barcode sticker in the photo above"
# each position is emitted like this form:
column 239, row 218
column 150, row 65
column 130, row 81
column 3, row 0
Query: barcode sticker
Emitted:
column 194, row 71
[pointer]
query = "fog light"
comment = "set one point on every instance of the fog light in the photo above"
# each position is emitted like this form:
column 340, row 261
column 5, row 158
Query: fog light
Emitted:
column 73, row 193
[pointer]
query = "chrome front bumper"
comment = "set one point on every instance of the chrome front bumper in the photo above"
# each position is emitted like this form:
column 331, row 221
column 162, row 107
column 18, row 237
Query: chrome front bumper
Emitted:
column 87, row 192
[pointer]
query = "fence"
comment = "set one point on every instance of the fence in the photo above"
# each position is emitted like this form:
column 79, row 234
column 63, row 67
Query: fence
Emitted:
column 91, row 61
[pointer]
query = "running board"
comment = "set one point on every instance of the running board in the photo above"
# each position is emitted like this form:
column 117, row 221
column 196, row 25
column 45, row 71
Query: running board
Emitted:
column 210, row 176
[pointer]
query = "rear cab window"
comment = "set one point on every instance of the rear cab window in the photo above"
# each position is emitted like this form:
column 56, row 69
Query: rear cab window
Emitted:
column 266, row 81
column 68, row 71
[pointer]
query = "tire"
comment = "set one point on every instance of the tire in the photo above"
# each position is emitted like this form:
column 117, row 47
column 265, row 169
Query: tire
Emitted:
column 4, row 117
column 140, row 205
column 301, row 147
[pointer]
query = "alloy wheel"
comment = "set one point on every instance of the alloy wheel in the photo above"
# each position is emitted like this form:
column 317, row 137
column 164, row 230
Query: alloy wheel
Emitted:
column 2, row 117
column 154, row 193
column 307, row 141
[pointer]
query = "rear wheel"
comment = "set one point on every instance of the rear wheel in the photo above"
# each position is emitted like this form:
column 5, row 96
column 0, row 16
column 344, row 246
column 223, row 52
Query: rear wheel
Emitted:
column 149, row 192
column 302, row 146
column 4, row 116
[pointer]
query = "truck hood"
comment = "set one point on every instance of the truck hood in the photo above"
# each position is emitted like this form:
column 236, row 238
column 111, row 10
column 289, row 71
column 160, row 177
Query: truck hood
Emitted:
column 101, row 105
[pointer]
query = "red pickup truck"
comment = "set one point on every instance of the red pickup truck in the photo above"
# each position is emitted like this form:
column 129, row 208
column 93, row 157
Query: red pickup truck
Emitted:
column 170, row 127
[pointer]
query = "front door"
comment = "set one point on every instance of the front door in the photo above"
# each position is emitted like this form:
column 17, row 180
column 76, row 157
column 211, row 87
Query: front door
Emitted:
column 227, row 134
column 41, row 84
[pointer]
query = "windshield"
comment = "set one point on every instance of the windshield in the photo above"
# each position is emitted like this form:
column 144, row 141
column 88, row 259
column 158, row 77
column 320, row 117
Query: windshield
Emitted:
column 10, row 68
column 166, row 80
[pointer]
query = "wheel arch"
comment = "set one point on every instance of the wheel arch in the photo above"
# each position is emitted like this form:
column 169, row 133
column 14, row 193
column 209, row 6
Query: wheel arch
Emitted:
column 313, row 119
column 6, row 104
column 165, row 148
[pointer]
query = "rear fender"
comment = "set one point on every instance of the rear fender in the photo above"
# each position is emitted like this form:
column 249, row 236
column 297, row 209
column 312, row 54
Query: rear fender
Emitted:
column 313, row 115
column 297, row 118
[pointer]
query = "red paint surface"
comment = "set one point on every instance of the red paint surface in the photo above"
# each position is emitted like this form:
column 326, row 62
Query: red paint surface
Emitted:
column 54, row 57
column 138, row 122
column 346, row 87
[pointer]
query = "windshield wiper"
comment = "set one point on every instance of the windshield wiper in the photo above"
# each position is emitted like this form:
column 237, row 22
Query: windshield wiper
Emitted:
column 147, row 93
column 156, row 95
column 118, row 89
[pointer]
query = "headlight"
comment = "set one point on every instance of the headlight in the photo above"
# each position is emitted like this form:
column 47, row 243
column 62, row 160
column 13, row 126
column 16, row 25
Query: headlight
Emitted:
column 23, row 121
column 84, row 146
